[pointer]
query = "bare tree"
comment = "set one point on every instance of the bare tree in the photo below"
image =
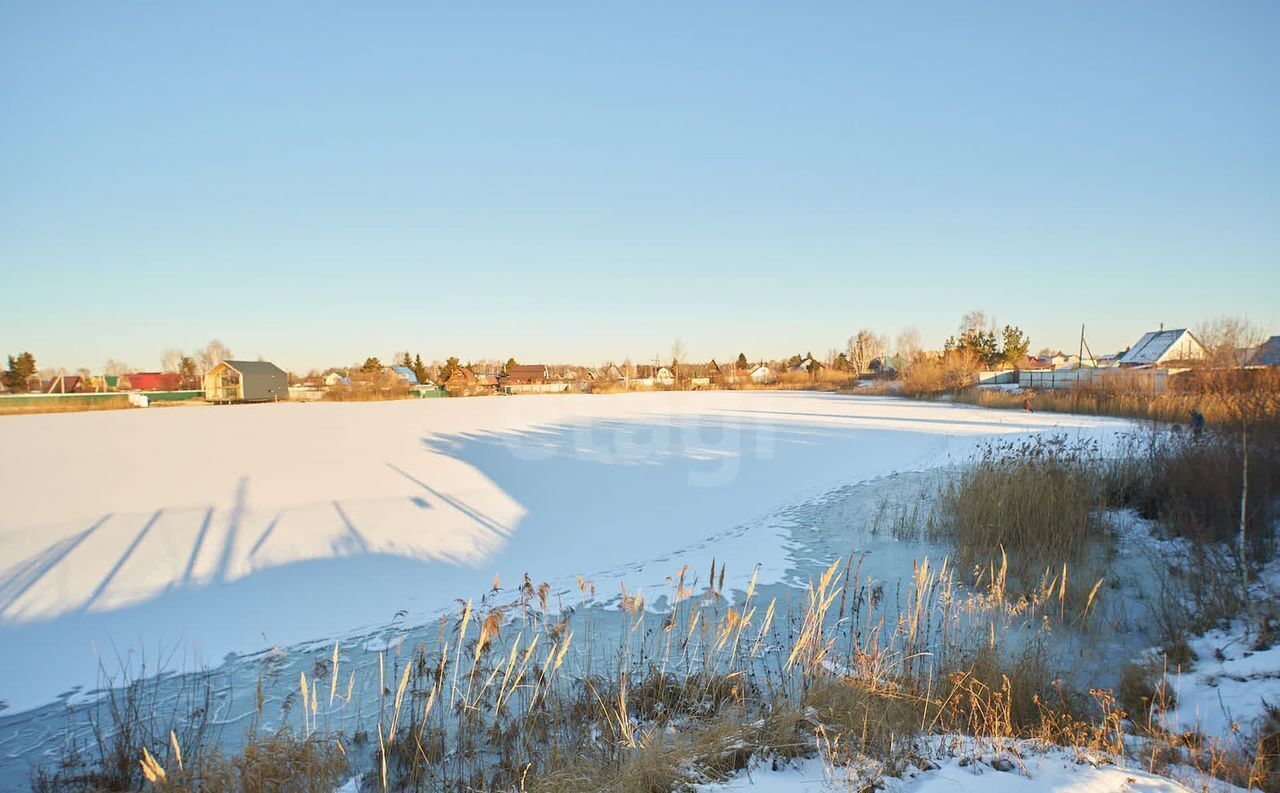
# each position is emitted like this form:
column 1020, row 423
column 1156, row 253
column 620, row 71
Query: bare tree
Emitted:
column 863, row 348
column 976, row 321
column 187, row 370
column 908, row 346
column 213, row 354
column 677, row 355
column 171, row 360
column 115, row 368
column 1229, row 341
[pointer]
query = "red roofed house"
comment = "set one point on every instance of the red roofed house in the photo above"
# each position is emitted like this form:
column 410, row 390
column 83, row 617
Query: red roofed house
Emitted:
column 153, row 381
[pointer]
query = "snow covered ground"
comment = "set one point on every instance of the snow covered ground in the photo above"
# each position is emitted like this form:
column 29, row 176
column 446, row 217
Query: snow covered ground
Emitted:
column 1032, row 769
column 230, row 530
column 1228, row 688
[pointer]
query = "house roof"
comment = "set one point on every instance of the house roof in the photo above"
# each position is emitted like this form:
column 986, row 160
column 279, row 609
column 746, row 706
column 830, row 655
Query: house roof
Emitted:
column 153, row 381
column 1157, row 345
column 1268, row 353
column 466, row 375
column 406, row 373
column 68, row 384
column 527, row 372
column 255, row 367
column 462, row 373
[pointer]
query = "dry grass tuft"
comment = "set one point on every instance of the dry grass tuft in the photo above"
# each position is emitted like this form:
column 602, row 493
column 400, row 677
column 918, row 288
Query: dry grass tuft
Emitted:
column 1034, row 503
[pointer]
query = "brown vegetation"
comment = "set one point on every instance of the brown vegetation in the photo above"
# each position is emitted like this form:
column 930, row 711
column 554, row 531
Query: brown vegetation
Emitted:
column 1226, row 398
column 1032, row 507
column 373, row 385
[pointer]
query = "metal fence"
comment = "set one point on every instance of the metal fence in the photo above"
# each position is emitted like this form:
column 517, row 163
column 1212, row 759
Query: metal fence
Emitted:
column 1149, row 380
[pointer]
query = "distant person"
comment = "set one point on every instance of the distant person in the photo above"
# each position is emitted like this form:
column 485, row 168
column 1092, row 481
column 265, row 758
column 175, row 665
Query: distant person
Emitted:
column 1197, row 423
column 1026, row 405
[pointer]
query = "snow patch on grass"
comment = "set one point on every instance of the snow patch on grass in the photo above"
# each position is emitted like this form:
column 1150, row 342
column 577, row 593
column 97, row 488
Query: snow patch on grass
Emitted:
column 962, row 765
column 1226, row 693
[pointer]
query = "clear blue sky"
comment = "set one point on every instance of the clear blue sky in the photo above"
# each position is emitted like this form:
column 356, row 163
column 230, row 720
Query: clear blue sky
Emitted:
column 317, row 182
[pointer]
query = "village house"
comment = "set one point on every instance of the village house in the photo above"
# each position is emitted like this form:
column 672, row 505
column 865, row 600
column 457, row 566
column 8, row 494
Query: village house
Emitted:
column 705, row 376
column 806, row 366
column 612, row 373
column 527, row 374
column 1055, row 360
column 465, row 381
column 64, row 384
column 1164, row 348
column 151, row 381
column 1267, row 354
column 735, row 376
column 246, row 381
column 762, row 374
column 404, row 373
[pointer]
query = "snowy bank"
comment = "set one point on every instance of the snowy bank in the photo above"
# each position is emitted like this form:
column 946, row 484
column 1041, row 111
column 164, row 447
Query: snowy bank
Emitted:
column 1019, row 767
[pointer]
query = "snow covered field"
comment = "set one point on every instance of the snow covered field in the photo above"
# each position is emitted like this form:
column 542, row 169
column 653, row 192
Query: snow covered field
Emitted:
column 213, row 531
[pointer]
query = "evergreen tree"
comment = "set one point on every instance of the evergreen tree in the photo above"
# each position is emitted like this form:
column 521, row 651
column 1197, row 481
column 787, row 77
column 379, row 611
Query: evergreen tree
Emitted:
column 508, row 366
column 371, row 365
column 21, row 369
column 741, row 363
column 1016, row 345
column 420, row 369
column 981, row 343
column 450, row 366
column 187, row 371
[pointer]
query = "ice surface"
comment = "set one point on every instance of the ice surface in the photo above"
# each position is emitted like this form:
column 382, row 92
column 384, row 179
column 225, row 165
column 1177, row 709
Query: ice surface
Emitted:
column 216, row 530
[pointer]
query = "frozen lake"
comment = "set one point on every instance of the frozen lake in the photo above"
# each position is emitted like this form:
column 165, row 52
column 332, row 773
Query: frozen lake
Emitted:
column 215, row 532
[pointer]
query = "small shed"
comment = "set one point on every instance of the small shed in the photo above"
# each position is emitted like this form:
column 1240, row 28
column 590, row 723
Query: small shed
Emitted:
column 246, row 381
